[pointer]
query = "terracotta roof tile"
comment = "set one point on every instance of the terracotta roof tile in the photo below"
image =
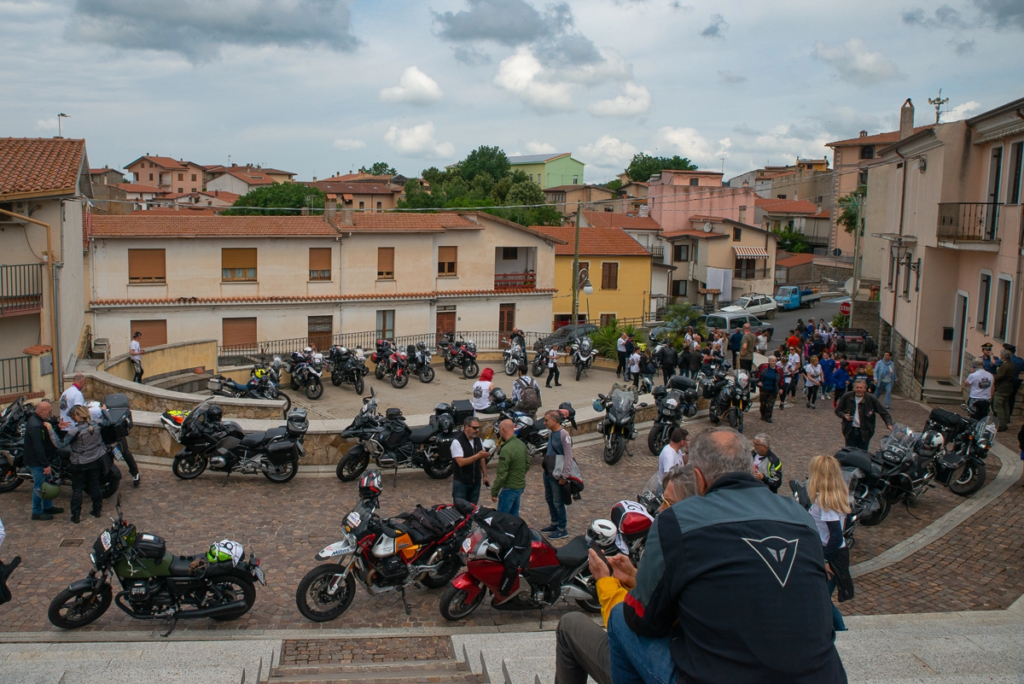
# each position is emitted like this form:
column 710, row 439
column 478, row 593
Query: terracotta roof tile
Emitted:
column 180, row 210
column 692, row 234
column 613, row 220
column 877, row 139
column 786, row 206
column 795, row 260
column 251, row 178
column 353, row 187
column 827, row 213
column 147, row 224
column 136, row 187
column 707, row 217
column 594, row 241
column 35, row 165
column 373, row 221
column 36, row 350
column 315, row 298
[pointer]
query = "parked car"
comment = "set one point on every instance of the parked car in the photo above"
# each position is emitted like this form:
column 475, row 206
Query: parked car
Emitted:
column 789, row 297
column 755, row 304
column 724, row 320
column 562, row 335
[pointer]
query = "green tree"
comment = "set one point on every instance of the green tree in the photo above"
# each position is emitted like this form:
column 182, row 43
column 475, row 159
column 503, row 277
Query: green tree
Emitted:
column 379, row 169
column 848, row 204
column 526, row 192
column 791, row 241
column 643, row 166
column 500, row 190
column 613, row 185
column 279, row 196
column 484, row 159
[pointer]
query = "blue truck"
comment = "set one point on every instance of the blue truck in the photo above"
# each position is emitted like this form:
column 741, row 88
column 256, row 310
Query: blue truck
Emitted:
column 790, row 297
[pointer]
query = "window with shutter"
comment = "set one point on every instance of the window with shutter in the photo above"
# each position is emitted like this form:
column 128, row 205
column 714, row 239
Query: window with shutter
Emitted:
column 385, row 263
column 146, row 266
column 682, row 253
column 319, row 263
column 238, row 264
column 320, row 330
column 607, row 319
column 239, row 332
column 386, row 324
column 447, row 261
column 609, row 276
column 154, row 332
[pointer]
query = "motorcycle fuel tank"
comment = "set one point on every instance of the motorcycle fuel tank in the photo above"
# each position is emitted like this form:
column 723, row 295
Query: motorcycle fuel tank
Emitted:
column 144, row 567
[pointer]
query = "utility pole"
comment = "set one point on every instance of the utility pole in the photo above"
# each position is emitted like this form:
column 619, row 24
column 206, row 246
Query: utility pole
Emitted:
column 938, row 102
column 576, row 271
column 858, row 200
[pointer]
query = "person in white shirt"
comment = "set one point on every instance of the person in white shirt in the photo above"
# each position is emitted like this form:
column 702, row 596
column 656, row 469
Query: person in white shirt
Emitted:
column 762, row 343
column 135, row 351
column 71, row 398
column 634, row 368
column 813, row 377
column 620, row 348
column 792, row 375
column 981, row 383
column 830, row 496
column 673, row 453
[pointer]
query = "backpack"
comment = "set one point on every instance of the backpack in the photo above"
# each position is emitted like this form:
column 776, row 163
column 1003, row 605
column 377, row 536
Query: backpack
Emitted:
column 529, row 398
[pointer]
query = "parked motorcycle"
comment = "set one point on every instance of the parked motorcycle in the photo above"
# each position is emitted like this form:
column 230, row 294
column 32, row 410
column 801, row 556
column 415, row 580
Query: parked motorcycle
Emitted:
column 347, row 367
column 264, row 383
column 459, row 354
column 553, row 574
column 513, row 356
column 307, row 369
column 384, row 555
column 114, row 431
column 155, row 584
column 618, row 425
column 531, row 432
column 419, row 361
column 672, row 405
column 960, row 464
column 583, row 355
column 223, row 445
column 633, row 521
column 392, row 444
column 732, row 402
column 540, row 359
column 853, row 518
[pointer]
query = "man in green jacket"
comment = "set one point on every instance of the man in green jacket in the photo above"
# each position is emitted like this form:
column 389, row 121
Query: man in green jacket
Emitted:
column 513, row 462
column 1006, row 376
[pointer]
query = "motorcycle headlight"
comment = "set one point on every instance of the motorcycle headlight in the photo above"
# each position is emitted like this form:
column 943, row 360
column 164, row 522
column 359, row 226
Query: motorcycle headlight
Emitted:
column 671, row 404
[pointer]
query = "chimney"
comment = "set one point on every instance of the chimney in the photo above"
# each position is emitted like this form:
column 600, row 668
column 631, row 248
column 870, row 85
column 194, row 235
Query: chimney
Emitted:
column 863, row 134
column 348, row 217
column 331, row 207
column 314, row 179
column 906, row 119
column 305, row 211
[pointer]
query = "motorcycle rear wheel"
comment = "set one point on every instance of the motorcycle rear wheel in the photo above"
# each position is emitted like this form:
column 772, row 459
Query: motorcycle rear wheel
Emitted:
column 336, row 379
column 352, row 464
column 313, row 589
column 9, row 479
column 186, row 471
column 470, row 370
column 454, row 606
column 878, row 516
column 282, row 473
column 427, row 374
column 510, row 367
column 445, row 573
column 358, row 384
column 378, row 372
column 315, row 389
column 436, row 471
column 448, row 365
column 235, row 588
column 72, row 609
column 970, row 480
column 287, row 403
column 400, row 380
column 108, row 487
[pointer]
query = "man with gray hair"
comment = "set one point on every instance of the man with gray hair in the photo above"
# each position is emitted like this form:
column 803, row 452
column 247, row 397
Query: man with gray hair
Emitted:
column 981, row 382
column 767, row 465
column 689, row 615
column 858, row 409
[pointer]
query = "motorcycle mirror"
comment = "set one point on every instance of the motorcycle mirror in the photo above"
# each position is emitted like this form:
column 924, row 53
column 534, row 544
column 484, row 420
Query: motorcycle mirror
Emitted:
column 601, row 396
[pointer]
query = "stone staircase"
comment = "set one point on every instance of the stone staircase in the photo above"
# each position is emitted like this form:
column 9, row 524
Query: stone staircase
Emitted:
column 942, row 390
column 436, row 671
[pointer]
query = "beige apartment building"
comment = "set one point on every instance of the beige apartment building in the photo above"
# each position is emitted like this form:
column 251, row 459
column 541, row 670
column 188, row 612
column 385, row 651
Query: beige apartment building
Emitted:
column 567, row 198
column 252, row 279
column 167, row 174
column 944, row 222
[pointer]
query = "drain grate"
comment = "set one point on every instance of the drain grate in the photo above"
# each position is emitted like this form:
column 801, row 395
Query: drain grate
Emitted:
column 69, row 543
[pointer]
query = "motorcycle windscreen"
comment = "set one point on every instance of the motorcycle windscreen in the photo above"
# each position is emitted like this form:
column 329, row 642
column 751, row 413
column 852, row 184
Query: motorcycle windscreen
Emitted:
column 621, row 402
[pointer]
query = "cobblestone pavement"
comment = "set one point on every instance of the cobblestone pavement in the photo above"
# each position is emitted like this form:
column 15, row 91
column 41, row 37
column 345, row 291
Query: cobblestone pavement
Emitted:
column 287, row 524
column 346, row 651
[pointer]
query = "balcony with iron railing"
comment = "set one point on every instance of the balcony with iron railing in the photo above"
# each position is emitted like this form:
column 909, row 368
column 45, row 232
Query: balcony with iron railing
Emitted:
column 657, row 254
column 513, row 281
column 968, row 222
column 21, row 289
column 750, row 273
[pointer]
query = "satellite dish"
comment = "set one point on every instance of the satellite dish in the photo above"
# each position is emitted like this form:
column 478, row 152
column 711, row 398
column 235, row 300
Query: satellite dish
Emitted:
column 848, row 286
column 708, row 227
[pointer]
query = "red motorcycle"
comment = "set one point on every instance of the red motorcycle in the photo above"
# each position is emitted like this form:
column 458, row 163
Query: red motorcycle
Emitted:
column 553, row 574
column 391, row 362
column 459, row 354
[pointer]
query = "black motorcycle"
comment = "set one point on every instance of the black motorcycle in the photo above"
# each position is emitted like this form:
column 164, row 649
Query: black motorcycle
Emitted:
column 393, row 444
column 459, row 354
column 540, row 359
column 618, row 425
column 418, row 361
column 960, row 465
column 156, row 584
column 307, row 371
column 672, row 405
column 347, row 368
column 530, row 431
column 732, row 401
column 223, row 445
column 114, row 430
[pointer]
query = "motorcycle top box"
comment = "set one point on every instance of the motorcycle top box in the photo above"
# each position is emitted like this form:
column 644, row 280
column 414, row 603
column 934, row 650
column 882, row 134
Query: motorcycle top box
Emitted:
column 463, row 409
column 298, row 424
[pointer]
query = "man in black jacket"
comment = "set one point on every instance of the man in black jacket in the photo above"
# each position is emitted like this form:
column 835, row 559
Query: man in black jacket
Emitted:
column 39, row 452
column 668, row 359
column 720, row 571
column 858, row 409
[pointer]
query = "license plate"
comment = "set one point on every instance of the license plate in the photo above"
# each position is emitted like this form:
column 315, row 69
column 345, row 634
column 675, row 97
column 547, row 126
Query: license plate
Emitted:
column 117, row 453
column 105, row 540
column 260, row 575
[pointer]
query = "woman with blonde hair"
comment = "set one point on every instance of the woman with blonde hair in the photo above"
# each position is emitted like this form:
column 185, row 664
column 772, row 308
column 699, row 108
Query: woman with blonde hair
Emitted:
column 830, row 504
column 87, row 448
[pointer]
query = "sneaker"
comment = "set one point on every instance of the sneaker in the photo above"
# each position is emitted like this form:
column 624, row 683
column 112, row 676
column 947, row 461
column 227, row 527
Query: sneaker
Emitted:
column 808, row 404
column 135, row 479
column 549, row 528
column 782, row 407
column 558, row 534
column 42, row 516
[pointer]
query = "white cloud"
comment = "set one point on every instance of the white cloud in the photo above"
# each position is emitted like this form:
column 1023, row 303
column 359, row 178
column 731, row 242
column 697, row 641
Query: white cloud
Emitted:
column 634, row 101
column 689, row 143
column 47, row 124
column 534, row 147
column 607, row 151
column 856, row 64
column 418, row 141
column 960, row 111
column 349, row 144
column 521, row 74
column 414, row 87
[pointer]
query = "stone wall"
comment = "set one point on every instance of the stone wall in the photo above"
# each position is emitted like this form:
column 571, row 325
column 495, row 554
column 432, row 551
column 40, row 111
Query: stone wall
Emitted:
column 840, row 272
column 865, row 315
column 167, row 359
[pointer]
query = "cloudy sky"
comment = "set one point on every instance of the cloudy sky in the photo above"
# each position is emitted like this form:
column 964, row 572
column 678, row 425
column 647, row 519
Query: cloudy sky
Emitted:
column 321, row 86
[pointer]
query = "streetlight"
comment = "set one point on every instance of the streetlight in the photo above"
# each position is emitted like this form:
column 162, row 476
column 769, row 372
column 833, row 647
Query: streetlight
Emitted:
column 581, row 277
column 60, row 129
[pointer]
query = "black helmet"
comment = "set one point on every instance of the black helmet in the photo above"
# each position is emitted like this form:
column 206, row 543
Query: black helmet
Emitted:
column 445, row 422
column 421, row 345
column 214, row 413
column 497, row 395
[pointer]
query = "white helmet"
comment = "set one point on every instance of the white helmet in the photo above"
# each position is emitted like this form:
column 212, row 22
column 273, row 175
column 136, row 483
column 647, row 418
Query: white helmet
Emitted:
column 602, row 532
column 307, row 350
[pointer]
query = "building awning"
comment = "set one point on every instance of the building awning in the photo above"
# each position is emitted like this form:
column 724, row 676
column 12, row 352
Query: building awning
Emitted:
column 751, row 252
column 704, row 290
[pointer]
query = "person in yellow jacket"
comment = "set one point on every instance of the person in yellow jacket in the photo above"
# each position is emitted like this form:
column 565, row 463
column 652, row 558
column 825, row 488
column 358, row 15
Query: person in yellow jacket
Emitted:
column 582, row 646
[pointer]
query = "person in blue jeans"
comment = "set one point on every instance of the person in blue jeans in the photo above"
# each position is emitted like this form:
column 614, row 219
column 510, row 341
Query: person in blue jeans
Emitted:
column 885, row 376
column 513, row 464
column 37, row 456
column 558, row 467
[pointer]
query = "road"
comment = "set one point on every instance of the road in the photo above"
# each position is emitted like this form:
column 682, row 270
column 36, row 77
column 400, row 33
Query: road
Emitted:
column 785, row 321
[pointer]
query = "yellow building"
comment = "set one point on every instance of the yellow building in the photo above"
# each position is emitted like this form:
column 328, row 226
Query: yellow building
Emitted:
column 618, row 267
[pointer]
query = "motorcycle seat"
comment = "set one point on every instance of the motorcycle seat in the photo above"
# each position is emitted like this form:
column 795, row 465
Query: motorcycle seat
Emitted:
column 856, row 458
column 421, row 435
column 395, row 528
column 254, row 439
column 180, row 565
column 573, row 554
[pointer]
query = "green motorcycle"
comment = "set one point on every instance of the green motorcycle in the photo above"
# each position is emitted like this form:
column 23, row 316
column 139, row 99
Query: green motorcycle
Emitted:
column 156, row 584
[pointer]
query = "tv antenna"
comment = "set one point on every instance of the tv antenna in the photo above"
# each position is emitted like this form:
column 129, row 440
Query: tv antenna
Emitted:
column 938, row 102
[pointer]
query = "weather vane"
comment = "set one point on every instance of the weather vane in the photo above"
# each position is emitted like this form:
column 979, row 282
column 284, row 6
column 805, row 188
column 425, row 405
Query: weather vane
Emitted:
column 938, row 102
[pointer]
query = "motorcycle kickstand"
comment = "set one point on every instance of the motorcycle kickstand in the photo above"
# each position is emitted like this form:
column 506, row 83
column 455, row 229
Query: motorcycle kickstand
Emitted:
column 408, row 609
column 225, row 483
column 174, row 623
column 395, row 485
column 541, row 625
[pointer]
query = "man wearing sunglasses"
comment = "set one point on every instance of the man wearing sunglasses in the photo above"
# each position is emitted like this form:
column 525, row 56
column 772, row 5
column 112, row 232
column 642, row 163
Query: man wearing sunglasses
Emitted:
column 470, row 463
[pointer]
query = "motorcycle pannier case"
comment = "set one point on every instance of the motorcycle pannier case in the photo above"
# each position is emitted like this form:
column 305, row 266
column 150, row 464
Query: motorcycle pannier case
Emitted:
column 120, row 414
column 215, row 384
column 150, row 546
column 945, row 421
column 281, row 452
column 463, row 410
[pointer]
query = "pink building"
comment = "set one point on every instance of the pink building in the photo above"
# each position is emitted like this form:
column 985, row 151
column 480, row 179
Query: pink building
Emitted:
column 675, row 197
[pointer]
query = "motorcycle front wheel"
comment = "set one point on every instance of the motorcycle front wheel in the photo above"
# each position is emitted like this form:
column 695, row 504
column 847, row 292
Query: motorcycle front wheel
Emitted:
column 427, row 374
column 109, row 485
column 282, row 473
column 315, row 389
column 9, row 479
column 378, row 372
column 352, row 464
column 358, row 384
column 71, row 609
column 969, row 480
column 538, row 370
column 656, row 440
column 579, row 371
column 448, row 364
column 736, row 420
column 878, row 516
column 287, row 403
column 400, row 380
column 454, row 606
column 336, row 379
column 470, row 370
column 614, row 448
column 510, row 367
column 312, row 598
column 189, row 471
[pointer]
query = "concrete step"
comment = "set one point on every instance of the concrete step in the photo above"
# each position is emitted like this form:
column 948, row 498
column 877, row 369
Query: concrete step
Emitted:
column 409, row 672
column 931, row 397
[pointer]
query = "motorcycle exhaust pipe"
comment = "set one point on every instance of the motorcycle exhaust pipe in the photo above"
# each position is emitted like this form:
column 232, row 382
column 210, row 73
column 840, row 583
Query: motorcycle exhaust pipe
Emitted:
column 213, row 611
column 575, row 593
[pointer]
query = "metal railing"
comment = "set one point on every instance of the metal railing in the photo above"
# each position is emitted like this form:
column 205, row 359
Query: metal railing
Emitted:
column 14, row 375
column 749, row 273
column 504, row 281
column 968, row 220
column 657, row 254
column 21, row 289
